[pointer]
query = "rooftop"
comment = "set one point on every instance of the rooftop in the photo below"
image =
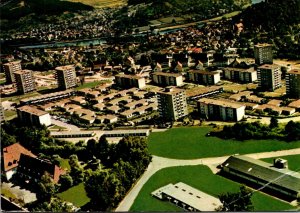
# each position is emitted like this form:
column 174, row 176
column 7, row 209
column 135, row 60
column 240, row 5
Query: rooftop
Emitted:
column 129, row 76
column 170, row 90
column 47, row 95
column 32, row 110
column 294, row 71
column 20, row 72
column 295, row 104
column 223, row 103
column 67, row 67
column 240, row 69
column 201, row 90
column 263, row 45
column 268, row 66
column 203, row 72
column 167, row 74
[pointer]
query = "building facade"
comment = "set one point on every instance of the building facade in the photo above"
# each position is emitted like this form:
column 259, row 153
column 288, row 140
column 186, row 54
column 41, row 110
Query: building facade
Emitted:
column 25, row 81
column 172, row 103
column 293, row 84
column 204, row 77
column 32, row 116
column 269, row 77
column 263, row 54
column 129, row 81
column 66, row 77
column 212, row 109
column 240, row 75
column 167, row 79
column 9, row 70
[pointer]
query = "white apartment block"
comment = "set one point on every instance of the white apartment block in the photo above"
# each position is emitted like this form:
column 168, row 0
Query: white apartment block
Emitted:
column 212, row 109
column 32, row 116
column 263, row 54
column 269, row 77
column 25, row 81
column 130, row 81
column 204, row 77
column 167, row 79
column 66, row 77
column 293, row 84
column 9, row 70
column 240, row 75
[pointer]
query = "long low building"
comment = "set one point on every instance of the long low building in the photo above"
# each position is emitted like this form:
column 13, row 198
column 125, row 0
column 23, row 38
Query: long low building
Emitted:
column 275, row 177
column 30, row 115
column 48, row 97
column 200, row 92
column 167, row 79
column 187, row 197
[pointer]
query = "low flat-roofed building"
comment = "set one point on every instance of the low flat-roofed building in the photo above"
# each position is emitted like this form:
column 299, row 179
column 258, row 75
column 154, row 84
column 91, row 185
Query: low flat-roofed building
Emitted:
column 88, row 118
column 167, row 79
column 78, row 100
column 255, row 99
column 267, row 107
column 200, row 92
column 240, row 95
column 250, row 106
column 136, row 104
column 221, row 109
column 107, row 118
column 113, row 109
column 47, row 107
column 32, row 116
column 72, row 134
column 203, row 77
column 72, row 107
column 295, row 104
column 240, row 75
column 128, row 132
column 187, row 197
column 99, row 106
column 275, row 102
column 129, row 81
column 279, row 180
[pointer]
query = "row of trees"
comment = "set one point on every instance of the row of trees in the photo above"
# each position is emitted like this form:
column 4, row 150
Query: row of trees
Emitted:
column 257, row 130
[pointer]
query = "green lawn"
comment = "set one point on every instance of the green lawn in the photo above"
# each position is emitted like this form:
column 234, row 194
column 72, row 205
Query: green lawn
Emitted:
column 9, row 113
column 92, row 84
column 75, row 195
column 191, row 143
column 64, row 163
column 203, row 179
column 293, row 161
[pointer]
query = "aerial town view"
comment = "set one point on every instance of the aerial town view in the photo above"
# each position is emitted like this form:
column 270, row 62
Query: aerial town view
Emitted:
column 150, row 106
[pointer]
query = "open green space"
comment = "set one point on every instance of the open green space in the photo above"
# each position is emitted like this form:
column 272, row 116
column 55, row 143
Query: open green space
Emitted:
column 75, row 195
column 17, row 98
column 293, row 161
column 192, row 143
column 92, row 84
column 9, row 113
column 203, row 179
column 64, row 163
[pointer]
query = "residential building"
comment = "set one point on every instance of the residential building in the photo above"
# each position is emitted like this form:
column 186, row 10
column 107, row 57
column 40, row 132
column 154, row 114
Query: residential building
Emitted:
column 269, row 77
column 221, row 110
column 186, row 197
column 9, row 70
column 172, row 103
column 200, row 92
column 204, row 77
column 277, row 178
column 66, row 77
column 31, row 169
column 293, row 84
column 32, row 116
column 240, row 74
column 263, row 54
column 167, row 79
column 25, row 81
column 295, row 104
column 2, row 117
column 129, row 81
column 11, row 156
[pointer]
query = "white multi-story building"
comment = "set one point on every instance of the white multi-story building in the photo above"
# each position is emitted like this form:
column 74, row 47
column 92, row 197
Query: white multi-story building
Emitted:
column 204, row 77
column 167, row 79
column 263, row 54
column 269, row 77
column 25, row 81
column 221, row 110
column 9, row 70
column 240, row 75
column 172, row 103
column 293, row 83
column 66, row 77
column 129, row 81
column 32, row 116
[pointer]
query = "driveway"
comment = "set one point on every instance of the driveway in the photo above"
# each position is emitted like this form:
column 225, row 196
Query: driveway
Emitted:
column 159, row 163
column 63, row 124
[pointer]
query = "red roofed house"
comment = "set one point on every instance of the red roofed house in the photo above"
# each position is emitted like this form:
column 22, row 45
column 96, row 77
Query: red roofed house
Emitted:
column 11, row 156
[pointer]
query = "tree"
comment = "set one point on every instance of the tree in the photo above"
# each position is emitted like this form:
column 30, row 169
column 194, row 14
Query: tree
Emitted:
column 273, row 123
column 46, row 188
column 6, row 139
column 65, row 182
column 236, row 201
column 104, row 189
column 76, row 170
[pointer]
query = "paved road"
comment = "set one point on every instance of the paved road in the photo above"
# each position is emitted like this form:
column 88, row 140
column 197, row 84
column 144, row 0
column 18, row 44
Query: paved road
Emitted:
column 159, row 163
column 63, row 124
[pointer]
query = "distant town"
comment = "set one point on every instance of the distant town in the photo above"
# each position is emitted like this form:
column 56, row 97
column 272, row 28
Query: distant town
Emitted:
column 164, row 117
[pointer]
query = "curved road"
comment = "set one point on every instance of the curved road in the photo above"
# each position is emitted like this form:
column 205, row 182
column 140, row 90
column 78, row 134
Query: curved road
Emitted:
column 159, row 163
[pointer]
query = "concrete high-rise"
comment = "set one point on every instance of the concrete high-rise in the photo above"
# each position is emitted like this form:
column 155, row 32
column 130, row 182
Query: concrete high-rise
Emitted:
column 263, row 54
column 9, row 70
column 269, row 77
column 293, row 83
column 25, row 81
column 172, row 103
column 66, row 77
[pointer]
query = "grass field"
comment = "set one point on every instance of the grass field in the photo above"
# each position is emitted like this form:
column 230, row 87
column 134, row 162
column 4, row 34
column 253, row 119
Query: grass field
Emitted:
column 92, row 84
column 101, row 3
column 75, row 195
column 293, row 161
column 203, row 179
column 9, row 113
column 64, row 163
column 191, row 143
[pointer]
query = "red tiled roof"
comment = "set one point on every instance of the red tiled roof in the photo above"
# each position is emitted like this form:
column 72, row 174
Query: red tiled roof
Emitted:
column 57, row 173
column 11, row 155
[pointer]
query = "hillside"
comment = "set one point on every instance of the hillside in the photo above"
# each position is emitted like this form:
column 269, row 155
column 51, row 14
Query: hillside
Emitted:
column 20, row 8
column 101, row 3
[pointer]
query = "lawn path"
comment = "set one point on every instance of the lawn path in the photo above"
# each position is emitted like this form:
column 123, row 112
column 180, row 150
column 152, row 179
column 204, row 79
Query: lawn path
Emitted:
column 159, row 163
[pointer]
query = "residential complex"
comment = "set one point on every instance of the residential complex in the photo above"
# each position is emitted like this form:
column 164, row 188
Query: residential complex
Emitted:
column 293, row 84
column 66, row 77
column 2, row 117
column 204, row 77
column 172, row 103
column 263, row 54
column 221, row 110
column 167, row 79
column 274, row 177
column 130, row 81
column 240, row 75
column 32, row 116
column 9, row 70
column 269, row 77
column 25, row 81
